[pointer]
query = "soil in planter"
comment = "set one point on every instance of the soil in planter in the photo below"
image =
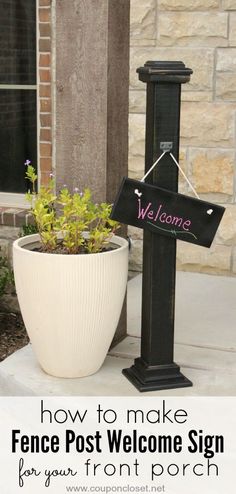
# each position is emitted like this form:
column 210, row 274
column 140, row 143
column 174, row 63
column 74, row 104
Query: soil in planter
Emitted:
column 37, row 247
column 13, row 335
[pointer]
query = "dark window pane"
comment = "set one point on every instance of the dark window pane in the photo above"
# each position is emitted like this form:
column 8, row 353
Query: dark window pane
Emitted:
column 18, row 137
column 17, row 42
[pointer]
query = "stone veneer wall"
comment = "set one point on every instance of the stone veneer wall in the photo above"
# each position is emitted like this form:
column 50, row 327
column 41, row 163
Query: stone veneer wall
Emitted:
column 202, row 34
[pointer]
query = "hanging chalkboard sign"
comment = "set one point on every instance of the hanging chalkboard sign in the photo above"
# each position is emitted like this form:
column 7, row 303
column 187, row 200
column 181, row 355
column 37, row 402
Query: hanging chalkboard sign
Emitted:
column 167, row 213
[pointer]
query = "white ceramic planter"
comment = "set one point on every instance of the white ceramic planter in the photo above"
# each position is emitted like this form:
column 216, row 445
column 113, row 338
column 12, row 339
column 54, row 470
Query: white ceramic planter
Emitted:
column 70, row 304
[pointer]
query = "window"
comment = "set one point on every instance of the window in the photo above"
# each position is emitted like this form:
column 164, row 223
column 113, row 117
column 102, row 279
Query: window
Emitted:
column 18, row 95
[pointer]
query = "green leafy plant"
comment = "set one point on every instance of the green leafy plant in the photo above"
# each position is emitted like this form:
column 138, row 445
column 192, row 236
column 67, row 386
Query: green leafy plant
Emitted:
column 6, row 275
column 69, row 223
column 28, row 230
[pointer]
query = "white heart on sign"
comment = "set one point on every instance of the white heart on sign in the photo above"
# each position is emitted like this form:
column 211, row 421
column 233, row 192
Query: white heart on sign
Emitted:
column 210, row 211
column 138, row 193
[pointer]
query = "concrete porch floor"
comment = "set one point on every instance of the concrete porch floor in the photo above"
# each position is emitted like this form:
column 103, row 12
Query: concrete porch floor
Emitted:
column 205, row 347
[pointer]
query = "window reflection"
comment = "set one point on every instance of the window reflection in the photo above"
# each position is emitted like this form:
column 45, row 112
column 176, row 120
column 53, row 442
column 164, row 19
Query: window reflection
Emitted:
column 18, row 137
column 17, row 42
column 18, row 133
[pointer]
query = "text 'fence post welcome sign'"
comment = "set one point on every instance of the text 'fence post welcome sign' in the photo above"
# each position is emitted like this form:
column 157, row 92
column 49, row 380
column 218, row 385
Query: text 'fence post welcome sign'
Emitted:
column 164, row 216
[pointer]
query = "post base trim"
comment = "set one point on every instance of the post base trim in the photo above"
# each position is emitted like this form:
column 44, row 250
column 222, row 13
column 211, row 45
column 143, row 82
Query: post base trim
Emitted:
column 154, row 378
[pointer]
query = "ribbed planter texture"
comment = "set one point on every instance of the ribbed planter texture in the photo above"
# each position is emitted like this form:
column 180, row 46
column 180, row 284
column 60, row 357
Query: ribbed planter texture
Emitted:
column 70, row 304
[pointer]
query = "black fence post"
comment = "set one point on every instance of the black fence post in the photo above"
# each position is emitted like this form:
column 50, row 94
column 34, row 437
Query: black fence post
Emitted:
column 155, row 368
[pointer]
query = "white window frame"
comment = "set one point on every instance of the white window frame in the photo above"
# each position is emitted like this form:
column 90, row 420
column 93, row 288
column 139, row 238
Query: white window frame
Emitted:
column 13, row 200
